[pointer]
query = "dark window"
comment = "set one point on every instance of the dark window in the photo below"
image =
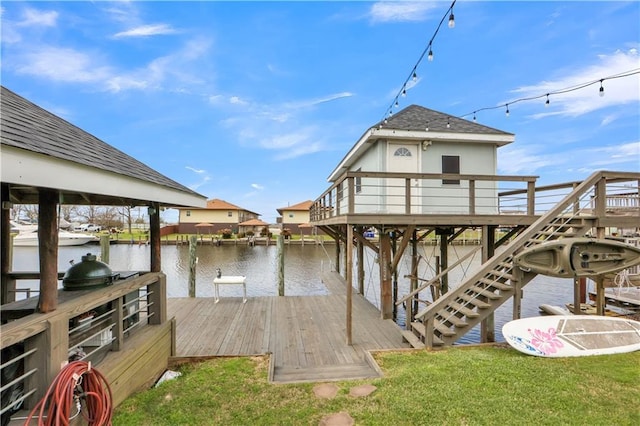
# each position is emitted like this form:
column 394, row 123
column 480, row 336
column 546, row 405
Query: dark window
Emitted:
column 188, row 213
column 230, row 214
column 358, row 182
column 451, row 164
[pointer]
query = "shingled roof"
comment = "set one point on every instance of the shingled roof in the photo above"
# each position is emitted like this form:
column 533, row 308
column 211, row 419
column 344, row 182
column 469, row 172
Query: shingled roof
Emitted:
column 26, row 126
column 418, row 118
column 419, row 123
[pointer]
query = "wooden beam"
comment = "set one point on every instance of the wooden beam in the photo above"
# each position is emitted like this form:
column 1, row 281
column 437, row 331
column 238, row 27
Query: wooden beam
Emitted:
column 349, row 279
column 48, row 251
column 366, row 242
column 487, row 325
column 7, row 286
column 403, row 245
column 154, row 225
column 386, row 299
column 360, row 257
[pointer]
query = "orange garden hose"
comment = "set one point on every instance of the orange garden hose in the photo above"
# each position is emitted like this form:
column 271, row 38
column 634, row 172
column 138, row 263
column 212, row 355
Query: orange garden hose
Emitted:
column 77, row 382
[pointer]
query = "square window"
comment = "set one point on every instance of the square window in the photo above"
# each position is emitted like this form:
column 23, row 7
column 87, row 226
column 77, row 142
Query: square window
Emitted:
column 451, row 164
column 188, row 213
column 230, row 214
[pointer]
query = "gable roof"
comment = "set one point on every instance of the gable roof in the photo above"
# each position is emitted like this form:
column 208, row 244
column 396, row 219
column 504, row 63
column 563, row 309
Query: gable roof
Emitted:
column 53, row 153
column 303, row 206
column 418, row 118
column 218, row 204
column 420, row 123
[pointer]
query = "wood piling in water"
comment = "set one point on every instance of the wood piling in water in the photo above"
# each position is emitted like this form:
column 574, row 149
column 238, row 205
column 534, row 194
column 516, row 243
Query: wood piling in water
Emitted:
column 192, row 265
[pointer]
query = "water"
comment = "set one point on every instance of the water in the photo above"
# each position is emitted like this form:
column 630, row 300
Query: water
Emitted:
column 303, row 268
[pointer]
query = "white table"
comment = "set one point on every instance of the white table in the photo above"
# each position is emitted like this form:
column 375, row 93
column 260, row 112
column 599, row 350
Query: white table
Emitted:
column 230, row 279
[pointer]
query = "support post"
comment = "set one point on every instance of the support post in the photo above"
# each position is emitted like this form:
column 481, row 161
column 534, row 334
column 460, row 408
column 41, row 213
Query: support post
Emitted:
column 386, row 301
column 488, row 325
column 412, row 304
column 360, row 256
column 48, row 251
column 280, row 251
column 104, row 248
column 154, row 235
column 576, row 296
column 7, row 286
column 193, row 241
column 444, row 257
column 349, row 273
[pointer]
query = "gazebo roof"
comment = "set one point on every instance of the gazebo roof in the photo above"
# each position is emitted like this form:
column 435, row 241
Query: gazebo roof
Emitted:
column 42, row 150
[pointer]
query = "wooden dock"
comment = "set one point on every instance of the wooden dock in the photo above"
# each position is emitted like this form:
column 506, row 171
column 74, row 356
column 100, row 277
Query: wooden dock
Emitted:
column 305, row 335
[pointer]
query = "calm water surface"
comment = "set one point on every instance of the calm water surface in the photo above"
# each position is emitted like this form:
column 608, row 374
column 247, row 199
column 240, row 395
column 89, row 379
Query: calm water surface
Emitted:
column 303, row 267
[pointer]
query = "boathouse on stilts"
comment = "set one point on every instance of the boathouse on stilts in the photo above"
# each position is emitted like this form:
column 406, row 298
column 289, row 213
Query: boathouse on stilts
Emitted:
column 421, row 177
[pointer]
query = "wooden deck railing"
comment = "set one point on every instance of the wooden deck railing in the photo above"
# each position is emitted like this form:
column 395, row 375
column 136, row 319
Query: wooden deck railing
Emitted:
column 433, row 194
column 90, row 323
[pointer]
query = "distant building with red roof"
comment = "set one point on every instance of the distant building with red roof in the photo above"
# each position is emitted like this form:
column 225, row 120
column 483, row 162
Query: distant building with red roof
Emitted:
column 219, row 213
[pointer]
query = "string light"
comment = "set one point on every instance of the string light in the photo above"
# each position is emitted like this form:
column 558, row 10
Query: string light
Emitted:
column 414, row 74
column 474, row 117
column 546, row 104
column 448, row 124
column 558, row 92
column 507, row 112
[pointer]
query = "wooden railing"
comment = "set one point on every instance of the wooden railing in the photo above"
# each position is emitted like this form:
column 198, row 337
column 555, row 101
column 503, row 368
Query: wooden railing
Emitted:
column 87, row 324
column 422, row 193
column 433, row 194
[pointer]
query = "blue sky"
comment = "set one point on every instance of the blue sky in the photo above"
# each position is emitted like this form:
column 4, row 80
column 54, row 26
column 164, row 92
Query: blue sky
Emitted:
column 257, row 102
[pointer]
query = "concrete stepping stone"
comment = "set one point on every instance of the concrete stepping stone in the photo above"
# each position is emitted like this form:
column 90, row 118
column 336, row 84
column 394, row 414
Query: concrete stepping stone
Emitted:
column 363, row 390
column 337, row 419
column 325, row 390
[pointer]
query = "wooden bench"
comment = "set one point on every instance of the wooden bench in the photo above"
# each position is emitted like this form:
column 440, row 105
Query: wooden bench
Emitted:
column 230, row 279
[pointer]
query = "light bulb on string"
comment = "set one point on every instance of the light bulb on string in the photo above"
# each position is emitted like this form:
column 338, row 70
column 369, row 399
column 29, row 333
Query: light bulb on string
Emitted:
column 415, row 76
column 452, row 22
column 396, row 104
column 474, row 117
column 507, row 112
column 404, row 93
column 601, row 88
column 546, row 104
column 448, row 124
column 430, row 56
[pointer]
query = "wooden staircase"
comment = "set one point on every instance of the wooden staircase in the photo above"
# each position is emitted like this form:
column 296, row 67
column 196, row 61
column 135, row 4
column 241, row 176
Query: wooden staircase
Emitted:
column 454, row 314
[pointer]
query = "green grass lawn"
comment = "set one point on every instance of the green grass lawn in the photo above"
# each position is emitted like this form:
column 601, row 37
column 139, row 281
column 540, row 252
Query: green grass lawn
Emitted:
column 459, row 386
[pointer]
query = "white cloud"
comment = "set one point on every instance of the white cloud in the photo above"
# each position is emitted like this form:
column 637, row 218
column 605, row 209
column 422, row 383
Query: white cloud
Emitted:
column 147, row 31
column 257, row 186
column 401, row 11
column 199, row 171
column 617, row 91
column 33, row 17
column 63, row 64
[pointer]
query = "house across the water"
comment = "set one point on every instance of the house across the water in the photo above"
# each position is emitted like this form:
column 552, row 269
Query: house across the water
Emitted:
column 219, row 214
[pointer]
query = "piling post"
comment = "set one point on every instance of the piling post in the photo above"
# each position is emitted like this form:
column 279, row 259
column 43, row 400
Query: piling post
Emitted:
column 488, row 325
column 280, row 251
column 104, row 248
column 193, row 260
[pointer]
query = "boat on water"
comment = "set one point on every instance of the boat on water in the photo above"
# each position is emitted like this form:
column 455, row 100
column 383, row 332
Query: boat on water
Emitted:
column 578, row 257
column 29, row 238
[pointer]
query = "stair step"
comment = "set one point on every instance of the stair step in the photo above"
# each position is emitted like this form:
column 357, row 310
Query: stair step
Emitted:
column 453, row 319
column 474, row 300
column 506, row 275
column 413, row 340
column 419, row 327
column 469, row 313
column 486, row 293
column 320, row 373
column 494, row 283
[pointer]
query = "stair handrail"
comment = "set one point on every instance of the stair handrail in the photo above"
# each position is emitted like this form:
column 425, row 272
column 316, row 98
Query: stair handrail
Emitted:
column 519, row 241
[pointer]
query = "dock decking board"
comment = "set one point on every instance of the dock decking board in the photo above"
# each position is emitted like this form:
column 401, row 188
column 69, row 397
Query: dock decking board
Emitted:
column 306, row 335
